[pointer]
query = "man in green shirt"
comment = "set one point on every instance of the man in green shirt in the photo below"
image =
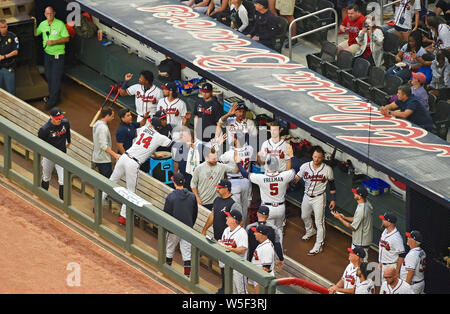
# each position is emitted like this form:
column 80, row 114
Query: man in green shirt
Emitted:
column 54, row 37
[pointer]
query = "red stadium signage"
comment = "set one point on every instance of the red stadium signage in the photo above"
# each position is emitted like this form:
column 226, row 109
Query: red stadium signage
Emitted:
column 353, row 113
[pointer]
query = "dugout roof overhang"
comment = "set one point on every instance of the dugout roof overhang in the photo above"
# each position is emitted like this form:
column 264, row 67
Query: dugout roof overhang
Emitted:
column 291, row 91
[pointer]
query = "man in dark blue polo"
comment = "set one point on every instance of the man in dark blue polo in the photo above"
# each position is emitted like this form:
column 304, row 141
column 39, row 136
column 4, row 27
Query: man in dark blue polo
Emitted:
column 127, row 132
column 408, row 107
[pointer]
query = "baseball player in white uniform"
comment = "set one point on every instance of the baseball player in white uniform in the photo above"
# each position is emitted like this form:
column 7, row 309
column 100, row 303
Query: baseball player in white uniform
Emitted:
column 235, row 239
column 363, row 285
column 273, row 185
column 147, row 94
column 392, row 284
column 348, row 280
column 264, row 254
column 276, row 147
column 174, row 107
column 412, row 270
column 391, row 250
column 316, row 175
column 147, row 141
column 240, row 186
column 235, row 122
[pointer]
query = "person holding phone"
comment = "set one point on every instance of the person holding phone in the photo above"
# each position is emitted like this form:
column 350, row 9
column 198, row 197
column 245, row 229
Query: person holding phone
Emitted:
column 409, row 58
column 370, row 39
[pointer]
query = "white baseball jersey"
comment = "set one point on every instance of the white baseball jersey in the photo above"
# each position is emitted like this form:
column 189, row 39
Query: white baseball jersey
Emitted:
column 272, row 185
column 237, row 238
column 246, row 126
column 264, row 255
column 349, row 276
column 145, row 100
column 315, row 179
column 365, row 287
column 147, row 141
column 175, row 110
column 414, row 260
column 245, row 153
column 277, row 150
column 390, row 246
column 406, row 10
column 402, row 287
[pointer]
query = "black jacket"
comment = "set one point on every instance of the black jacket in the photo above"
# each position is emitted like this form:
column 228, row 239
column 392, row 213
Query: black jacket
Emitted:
column 182, row 205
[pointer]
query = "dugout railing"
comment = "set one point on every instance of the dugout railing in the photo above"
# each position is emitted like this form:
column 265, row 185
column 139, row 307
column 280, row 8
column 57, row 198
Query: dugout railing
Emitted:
column 11, row 132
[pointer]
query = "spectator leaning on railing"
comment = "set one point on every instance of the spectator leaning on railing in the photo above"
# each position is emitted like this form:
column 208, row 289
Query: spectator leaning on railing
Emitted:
column 408, row 107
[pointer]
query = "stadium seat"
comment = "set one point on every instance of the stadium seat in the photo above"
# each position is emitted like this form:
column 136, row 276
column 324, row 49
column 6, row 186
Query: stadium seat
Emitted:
column 432, row 103
column 327, row 54
column 279, row 39
column 441, row 118
column 343, row 63
column 375, row 80
column 360, row 70
column 391, row 44
column 381, row 96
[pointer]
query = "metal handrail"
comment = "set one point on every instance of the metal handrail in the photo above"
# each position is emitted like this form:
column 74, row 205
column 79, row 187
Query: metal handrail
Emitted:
column 335, row 24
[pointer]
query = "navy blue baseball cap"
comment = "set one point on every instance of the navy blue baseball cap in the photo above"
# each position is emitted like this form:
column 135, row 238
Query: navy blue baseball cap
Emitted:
column 207, row 87
column 361, row 191
column 262, row 228
column 160, row 114
column 389, row 217
column 224, row 183
column 156, row 123
column 358, row 251
column 56, row 113
column 234, row 213
column 170, row 86
column 264, row 210
column 415, row 235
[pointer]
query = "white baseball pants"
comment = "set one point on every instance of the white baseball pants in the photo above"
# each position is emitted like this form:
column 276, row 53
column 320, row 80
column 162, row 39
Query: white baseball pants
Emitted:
column 130, row 169
column 314, row 205
column 242, row 190
column 47, row 169
column 172, row 241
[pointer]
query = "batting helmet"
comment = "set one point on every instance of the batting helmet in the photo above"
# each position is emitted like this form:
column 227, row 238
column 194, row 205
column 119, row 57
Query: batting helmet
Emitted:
column 272, row 164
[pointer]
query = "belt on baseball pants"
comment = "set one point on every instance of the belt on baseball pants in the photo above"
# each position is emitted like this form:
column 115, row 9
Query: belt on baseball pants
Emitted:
column 274, row 204
column 416, row 282
column 133, row 158
column 312, row 196
column 389, row 263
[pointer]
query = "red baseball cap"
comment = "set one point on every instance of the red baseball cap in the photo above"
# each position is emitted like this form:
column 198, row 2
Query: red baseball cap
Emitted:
column 419, row 76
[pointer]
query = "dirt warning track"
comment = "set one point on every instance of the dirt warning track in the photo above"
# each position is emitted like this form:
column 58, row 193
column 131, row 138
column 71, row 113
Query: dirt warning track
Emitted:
column 39, row 254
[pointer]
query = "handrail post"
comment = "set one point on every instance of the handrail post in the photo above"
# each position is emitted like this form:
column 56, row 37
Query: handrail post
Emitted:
column 228, row 278
column 36, row 170
column 67, row 190
column 195, row 265
column 335, row 24
column 7, row 161
column 129, row 228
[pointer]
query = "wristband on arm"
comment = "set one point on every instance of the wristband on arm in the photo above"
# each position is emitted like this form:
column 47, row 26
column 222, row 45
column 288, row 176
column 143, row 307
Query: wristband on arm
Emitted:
column 124, row 85
column 333, row 197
